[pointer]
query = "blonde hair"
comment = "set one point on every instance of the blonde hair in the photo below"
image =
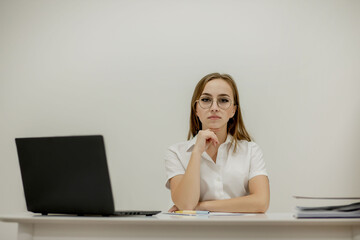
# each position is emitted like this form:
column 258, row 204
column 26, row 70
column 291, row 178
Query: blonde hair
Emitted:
column 235, row 126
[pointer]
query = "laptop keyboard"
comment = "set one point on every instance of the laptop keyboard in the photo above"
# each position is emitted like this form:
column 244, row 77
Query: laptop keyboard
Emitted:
column 129, row 213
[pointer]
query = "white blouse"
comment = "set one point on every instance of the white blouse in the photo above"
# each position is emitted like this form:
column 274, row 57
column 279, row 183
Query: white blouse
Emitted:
column 228, row 177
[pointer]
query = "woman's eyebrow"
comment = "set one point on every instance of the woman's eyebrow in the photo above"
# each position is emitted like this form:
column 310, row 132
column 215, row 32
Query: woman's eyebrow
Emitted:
column 221, row 95
column 224, row 94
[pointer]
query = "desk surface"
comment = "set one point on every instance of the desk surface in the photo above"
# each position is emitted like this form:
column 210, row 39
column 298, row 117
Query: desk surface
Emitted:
column 270, row 219
column 271, row 226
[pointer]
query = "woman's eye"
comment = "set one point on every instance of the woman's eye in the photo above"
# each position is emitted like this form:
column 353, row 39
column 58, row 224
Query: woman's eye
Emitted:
column 206, row 99
column 224, row 100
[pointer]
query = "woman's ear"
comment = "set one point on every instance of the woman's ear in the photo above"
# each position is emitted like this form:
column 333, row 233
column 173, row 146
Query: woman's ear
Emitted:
column 196, row 111
column 233, row 111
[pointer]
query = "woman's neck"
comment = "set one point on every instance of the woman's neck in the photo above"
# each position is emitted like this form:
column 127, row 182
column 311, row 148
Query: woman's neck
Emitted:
column 221, row 134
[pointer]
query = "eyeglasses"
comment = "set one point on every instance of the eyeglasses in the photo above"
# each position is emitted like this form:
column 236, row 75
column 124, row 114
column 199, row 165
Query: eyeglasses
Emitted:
column 206, row 102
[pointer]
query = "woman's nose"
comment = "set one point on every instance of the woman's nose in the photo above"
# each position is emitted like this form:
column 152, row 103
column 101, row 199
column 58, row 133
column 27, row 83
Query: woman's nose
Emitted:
column 214, row 106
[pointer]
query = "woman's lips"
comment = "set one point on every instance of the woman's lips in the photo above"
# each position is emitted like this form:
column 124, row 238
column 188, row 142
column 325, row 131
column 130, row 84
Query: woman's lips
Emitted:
column 214, row 117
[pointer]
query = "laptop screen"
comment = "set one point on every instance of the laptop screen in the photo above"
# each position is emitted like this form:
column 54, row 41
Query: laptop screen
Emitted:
column 65, row 175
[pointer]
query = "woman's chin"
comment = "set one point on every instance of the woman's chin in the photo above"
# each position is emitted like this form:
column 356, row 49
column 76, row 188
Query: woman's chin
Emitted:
column 214, row 127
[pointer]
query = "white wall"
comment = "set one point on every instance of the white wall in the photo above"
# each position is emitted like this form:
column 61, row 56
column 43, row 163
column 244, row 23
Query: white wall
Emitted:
column 127, row 70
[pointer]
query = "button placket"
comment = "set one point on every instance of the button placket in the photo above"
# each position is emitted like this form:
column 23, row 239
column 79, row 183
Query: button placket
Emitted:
column 219, row 182
column 221, row 161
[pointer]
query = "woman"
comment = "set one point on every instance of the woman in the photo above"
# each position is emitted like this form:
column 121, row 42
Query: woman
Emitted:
column 220, row 169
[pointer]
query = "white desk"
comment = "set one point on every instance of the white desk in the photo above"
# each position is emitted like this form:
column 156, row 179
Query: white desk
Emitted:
column 163, row 226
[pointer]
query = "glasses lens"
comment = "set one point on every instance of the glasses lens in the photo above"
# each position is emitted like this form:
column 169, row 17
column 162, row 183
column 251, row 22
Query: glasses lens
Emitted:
column 224, row 102
column 205, row 102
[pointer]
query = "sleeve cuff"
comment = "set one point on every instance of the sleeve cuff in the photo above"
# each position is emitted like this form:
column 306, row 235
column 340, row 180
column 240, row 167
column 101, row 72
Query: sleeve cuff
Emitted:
column 254, row 174
column 167, row 184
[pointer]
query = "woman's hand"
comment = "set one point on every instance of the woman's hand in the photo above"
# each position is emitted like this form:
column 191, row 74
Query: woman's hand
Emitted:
column 200, row 206
column 204, row 139
column 173, row 209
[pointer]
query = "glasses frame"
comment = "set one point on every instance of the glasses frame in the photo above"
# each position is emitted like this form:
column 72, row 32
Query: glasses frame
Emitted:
column 212, row 102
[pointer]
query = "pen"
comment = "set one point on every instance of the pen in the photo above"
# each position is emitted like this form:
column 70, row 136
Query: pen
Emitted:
column 192, row 212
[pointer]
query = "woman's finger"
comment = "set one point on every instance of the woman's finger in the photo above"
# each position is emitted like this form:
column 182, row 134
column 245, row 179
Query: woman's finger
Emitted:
column 213, row 137
column 173, row 209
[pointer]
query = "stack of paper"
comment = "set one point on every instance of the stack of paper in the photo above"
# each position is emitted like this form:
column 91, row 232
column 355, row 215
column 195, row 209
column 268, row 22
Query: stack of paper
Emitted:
column 204, row 213
column 333, row 211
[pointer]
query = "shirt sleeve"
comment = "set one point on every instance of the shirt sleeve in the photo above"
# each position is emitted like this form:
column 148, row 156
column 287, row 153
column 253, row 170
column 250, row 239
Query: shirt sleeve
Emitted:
column 173, row 166
column 257, row 163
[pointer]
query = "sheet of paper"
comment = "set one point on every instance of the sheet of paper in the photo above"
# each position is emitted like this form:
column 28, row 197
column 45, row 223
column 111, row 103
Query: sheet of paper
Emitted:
column 229, row 214
column 211, row 214
column 329, row 198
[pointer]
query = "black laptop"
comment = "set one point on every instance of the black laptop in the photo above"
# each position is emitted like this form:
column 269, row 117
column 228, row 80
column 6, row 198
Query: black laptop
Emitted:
column 67, row 175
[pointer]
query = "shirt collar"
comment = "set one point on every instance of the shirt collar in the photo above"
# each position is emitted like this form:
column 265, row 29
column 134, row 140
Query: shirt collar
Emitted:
column 192, row 142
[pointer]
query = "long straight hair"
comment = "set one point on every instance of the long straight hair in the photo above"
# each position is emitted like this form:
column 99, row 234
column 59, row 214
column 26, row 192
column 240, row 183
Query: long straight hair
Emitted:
column 235, row 125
